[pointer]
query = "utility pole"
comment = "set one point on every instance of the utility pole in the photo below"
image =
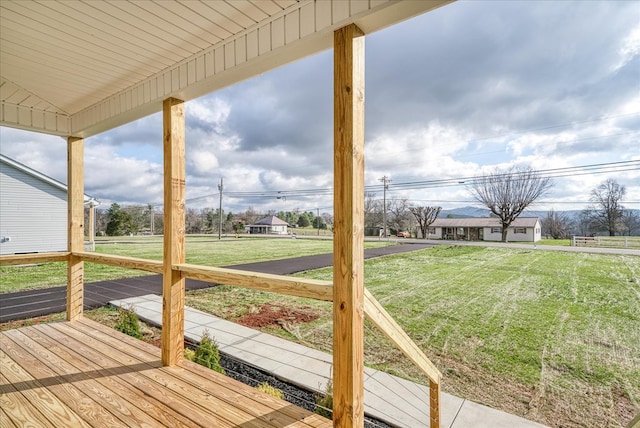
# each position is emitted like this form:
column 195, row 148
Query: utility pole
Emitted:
column 220, row 187
column 152, row 219
column 318, row 221
column 385, row 180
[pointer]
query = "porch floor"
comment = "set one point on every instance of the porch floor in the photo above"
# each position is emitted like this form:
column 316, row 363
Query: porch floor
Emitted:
column 85, row 374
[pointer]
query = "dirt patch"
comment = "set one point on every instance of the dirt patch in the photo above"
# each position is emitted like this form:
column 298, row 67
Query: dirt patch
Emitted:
column 268, row 315
column 30, row 321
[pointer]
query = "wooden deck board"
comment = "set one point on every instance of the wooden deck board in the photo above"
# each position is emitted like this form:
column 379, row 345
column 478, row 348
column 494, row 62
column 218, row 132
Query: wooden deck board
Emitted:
column 234, row 393
column 101, row 388
column 83, row 358
column 71, row 394
column 84, row 374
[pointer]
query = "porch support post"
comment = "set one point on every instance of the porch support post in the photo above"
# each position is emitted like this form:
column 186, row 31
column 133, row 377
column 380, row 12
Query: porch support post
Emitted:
column 348, row 244
column 75, row 228
column 92, row 224
column 174, row 229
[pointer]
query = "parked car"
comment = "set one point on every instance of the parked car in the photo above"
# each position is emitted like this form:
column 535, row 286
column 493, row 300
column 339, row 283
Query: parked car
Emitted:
column 403, row 235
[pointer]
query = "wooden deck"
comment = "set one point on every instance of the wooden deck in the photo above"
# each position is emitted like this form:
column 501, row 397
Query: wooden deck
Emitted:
column 84, row 374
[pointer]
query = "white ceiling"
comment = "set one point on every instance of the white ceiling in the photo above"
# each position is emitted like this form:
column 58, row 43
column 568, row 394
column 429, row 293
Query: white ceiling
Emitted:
column 74, row 67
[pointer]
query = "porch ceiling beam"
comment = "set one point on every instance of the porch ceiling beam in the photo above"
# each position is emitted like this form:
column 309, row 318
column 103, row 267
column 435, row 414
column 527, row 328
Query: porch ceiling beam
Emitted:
column 348, row 244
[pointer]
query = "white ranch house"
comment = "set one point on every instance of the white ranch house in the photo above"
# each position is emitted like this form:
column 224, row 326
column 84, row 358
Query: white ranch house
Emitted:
column 269, row 225
column 523, row 229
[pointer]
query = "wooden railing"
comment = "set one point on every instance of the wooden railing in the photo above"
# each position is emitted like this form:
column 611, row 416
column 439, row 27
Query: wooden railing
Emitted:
column 24, row 259
column 298, row 287
column 154, row 266
column 322, row 290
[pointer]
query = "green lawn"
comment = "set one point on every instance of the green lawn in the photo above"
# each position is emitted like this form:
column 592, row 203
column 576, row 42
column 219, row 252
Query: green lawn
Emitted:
column 203, row 250
column 551, row 336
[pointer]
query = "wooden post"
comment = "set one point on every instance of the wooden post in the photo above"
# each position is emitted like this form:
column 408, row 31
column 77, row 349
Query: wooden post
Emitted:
column 174, row 225
column 434, row 404
column 348, row 244
column 75, row 229
column 92, row 222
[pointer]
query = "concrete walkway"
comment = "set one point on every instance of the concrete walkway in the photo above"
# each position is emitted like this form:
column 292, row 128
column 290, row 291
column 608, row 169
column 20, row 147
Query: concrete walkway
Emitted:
column 388, row 398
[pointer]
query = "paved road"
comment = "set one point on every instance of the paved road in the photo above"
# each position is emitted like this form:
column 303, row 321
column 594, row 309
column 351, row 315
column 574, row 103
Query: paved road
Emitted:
column 34, row 303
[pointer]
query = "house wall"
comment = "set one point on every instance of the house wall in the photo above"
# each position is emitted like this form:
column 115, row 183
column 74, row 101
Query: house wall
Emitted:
column 33, row 214
column 531, row 234
column 273, row 230
column 281, row 230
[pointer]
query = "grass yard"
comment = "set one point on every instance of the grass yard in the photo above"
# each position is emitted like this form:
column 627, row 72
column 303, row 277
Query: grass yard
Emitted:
column 203, row 250
column 551, row 336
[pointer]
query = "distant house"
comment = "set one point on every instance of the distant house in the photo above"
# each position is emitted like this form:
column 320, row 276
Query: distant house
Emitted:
column 33, row 210
column 523, row 229
column 269, row 225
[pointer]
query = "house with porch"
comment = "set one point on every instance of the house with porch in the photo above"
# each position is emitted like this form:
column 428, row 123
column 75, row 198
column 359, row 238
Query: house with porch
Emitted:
column 523, row 229
column 269, row 225
column 77, row 69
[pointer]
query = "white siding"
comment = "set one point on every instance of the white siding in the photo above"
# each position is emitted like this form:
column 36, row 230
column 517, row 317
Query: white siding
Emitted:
column 33, row 214
column 528, row 236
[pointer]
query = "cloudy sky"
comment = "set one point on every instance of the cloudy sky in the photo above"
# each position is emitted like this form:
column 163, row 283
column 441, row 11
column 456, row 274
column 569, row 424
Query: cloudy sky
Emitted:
column 452, row 94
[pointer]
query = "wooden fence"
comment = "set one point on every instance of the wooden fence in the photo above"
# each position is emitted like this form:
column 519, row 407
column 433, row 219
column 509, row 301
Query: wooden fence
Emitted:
column 632, row 242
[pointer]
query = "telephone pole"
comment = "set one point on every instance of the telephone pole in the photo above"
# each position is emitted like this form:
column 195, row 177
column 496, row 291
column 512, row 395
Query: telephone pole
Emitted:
column 220, row 187
column 385, row 180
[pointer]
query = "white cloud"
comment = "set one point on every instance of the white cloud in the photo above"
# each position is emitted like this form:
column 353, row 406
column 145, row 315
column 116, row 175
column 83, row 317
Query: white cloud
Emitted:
column 530, row 83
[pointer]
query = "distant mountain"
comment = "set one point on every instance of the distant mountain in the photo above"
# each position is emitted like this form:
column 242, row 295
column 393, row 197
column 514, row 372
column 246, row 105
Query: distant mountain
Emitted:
column 467, row 212
column 464, row 212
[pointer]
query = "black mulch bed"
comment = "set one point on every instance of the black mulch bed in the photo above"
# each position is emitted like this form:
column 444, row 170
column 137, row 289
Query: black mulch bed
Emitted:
column 296, row 395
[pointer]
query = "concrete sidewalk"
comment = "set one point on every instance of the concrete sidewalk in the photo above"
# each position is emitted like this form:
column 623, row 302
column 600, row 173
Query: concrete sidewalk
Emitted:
column 388, row 398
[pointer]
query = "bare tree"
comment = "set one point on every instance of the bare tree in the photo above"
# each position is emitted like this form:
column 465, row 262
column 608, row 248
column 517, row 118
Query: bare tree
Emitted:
column 328, row 219
column 508, row 192
column 605, row 209
column 251, row 216
column 193, row 221
column 399, row 214
column 372, row 211
column 630, row 222
column 557, row 225
column 425, row 216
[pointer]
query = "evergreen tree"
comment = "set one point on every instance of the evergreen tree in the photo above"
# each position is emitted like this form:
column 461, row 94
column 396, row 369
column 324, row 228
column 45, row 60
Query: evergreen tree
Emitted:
column 119, row 222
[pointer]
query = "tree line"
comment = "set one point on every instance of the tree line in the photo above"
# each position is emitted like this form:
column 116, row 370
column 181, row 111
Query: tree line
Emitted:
column 120, row 220
column 506, row 193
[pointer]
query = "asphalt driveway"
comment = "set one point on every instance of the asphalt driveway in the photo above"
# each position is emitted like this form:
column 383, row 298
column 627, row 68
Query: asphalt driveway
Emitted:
column 35, row 303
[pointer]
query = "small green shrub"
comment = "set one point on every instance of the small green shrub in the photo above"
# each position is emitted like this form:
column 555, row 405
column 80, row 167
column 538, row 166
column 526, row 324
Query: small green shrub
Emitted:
column 128, row 323
column 271, row 390
column 189, row 354
column 324, row 402
column 207, row 353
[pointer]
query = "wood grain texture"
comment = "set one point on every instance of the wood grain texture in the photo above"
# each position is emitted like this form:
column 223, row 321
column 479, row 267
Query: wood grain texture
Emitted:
column 85, row 374
column 174, row 231
column 75, row 203
column 348, row 247
column 300, row 287
column 154, row 266
column 25, row 259
column 434, row 404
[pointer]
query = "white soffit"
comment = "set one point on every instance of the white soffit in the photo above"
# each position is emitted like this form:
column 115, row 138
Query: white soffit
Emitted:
column 79, row 68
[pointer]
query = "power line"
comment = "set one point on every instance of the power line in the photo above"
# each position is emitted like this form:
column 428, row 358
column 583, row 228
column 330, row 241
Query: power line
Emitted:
column 592, row 169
